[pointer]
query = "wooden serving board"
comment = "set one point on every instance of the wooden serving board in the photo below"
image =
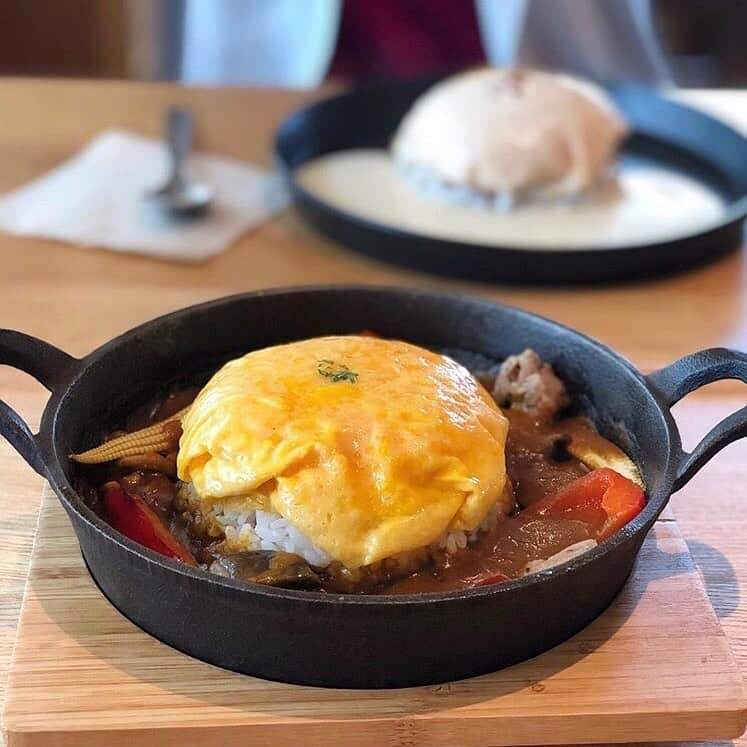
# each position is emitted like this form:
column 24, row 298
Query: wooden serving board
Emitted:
column 655, row 666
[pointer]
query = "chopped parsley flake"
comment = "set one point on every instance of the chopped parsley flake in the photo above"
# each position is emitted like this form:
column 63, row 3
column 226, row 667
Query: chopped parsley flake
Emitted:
column 336, row 372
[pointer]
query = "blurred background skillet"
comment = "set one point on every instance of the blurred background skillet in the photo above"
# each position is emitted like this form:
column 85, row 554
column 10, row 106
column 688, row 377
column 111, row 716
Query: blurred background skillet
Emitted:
column 376, row 214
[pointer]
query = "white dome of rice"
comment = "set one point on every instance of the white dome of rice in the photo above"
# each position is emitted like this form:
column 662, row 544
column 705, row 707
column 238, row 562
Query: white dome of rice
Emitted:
column 511, row 132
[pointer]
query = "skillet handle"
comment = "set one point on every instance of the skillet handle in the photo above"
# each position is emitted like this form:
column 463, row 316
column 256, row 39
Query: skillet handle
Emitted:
column 692, row 372
column 49, row 366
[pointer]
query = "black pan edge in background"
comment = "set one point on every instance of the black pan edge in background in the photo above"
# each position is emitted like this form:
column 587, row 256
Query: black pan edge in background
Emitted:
column 703, row 147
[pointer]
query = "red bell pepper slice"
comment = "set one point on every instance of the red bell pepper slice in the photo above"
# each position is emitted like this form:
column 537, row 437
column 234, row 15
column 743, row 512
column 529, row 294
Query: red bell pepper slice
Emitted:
column 602, row 490
column 132, row 516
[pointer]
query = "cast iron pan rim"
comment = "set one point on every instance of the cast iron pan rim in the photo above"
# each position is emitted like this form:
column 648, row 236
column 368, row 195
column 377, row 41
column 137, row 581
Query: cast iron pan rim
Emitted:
column 734, row 211
column 654, row 504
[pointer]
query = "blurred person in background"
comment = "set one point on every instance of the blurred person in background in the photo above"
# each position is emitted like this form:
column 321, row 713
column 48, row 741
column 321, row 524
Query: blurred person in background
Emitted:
column 298, row 43
column 598, row 39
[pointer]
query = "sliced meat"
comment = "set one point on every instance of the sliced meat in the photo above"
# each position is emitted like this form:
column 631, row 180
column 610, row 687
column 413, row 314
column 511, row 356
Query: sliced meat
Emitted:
column 526, row 382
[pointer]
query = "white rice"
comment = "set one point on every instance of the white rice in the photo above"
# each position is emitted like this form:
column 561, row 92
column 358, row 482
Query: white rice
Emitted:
column 453, row 542
column 265, row 530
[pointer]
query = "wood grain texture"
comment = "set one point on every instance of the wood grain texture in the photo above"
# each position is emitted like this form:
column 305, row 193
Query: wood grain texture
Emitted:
column 656, row 665
column 19, row 504
column 78, row 299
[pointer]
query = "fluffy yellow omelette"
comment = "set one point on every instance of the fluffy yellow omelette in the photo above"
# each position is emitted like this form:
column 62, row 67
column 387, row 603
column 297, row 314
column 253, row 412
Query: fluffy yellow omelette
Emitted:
column 369, row 447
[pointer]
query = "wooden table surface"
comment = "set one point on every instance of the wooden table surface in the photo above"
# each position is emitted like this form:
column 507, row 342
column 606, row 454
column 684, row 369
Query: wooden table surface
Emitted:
column 78, row 298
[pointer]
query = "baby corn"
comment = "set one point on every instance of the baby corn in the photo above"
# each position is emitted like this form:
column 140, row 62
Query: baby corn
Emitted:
column 155, row 439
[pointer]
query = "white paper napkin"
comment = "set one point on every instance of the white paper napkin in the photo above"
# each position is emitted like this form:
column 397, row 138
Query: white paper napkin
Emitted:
column 95, row 199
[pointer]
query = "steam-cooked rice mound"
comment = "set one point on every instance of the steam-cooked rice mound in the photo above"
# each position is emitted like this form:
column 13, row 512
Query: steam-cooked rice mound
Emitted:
column 510, row 134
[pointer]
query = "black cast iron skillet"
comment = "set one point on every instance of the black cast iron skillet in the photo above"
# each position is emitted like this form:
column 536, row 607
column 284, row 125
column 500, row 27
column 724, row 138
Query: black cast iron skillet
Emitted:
column 664, row 134
column 357, row 641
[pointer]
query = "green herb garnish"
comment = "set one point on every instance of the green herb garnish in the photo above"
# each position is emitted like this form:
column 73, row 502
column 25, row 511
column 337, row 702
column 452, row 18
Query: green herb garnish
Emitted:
column 336, row 372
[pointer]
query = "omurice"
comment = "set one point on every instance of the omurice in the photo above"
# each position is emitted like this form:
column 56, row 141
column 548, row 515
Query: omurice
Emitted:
column 364, row 465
